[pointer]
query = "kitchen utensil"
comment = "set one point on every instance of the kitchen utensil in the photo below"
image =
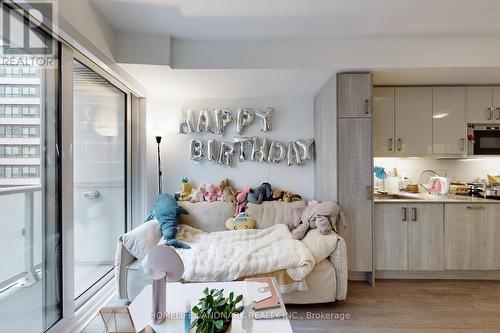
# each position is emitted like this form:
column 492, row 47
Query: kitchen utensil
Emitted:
column 412, row 188
column 439, row 186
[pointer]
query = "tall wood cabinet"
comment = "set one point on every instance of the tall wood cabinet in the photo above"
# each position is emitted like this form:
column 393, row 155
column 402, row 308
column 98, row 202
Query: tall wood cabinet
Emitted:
column 355, row 180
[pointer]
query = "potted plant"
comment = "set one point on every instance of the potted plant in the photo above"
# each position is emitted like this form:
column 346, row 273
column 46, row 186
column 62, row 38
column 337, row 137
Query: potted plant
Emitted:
column 214, row 311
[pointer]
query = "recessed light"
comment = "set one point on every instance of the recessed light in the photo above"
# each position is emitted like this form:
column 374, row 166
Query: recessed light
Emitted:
column 439, row 115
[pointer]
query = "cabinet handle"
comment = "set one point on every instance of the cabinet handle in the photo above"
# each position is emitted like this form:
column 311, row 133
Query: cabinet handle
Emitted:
column 405, row 216
column 398, row 144
column 414, row 214
column 391, row 144
column 489, row 113
column 367, row 107
column 462, row 144
column 475, row 207
column 498, row 114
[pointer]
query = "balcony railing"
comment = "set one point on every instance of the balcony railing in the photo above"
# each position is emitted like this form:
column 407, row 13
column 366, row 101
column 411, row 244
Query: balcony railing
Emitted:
column 20, row 244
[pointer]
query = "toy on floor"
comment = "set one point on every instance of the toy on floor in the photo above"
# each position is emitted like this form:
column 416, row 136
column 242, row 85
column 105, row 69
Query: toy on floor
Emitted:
column 186, row 188
column 262, row 193
column 241, row 221
column 228, row 192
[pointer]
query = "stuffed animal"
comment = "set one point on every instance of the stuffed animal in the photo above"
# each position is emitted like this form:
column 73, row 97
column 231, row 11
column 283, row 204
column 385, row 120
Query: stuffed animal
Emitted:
column 197, row 195
column 241, row 221
column 290, row 197
column 210, row 192
column 262, row 193
column 228, row 193
column 166, row 213
column 277, row 194
column 186, row 188
column 323, row 216
column 241, row 200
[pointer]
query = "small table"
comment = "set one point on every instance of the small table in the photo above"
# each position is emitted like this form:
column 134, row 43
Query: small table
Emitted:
column 179, row 293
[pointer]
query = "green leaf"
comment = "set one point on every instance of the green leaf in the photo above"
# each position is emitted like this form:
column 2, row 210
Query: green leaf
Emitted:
column 238, row 299
column 196, row 309
column 219, row 323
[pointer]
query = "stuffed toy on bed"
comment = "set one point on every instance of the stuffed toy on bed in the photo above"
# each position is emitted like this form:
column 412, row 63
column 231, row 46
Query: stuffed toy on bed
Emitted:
column 241, row 221
column 166, row 213
column 262, row 193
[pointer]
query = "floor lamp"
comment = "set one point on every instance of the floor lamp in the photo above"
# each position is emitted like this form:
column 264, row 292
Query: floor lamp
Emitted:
column 158, row 141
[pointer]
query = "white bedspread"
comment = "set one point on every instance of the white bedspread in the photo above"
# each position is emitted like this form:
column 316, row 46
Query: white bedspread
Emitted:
column 230, row 255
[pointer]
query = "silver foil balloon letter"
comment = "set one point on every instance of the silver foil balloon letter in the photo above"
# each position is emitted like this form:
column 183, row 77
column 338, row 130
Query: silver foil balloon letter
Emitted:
column 211, row 150
column 277, row 152
column 260, row 149
column 226, row 153
column 293, row 154
column 243, row 142
column 204, row 121
column 197, row 149
column 266, row 118
column 244, row 118
column 223, row 117
column 186, row 122
column 305, row 147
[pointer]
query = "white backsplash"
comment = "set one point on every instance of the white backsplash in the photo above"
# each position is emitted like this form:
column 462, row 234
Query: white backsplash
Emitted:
column 465, row 170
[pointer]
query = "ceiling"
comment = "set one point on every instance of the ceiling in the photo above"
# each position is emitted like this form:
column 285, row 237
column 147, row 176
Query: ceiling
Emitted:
column 163, row 82
column 290, row 19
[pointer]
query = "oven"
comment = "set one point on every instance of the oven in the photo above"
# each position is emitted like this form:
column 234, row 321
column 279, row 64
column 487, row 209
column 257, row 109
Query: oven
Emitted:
column 483, row 139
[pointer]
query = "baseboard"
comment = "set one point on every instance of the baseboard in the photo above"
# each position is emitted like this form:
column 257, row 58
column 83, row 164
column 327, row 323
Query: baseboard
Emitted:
column 87, row 312
column 444, row 275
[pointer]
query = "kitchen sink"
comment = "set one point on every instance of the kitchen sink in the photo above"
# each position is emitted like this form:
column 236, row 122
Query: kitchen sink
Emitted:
column 397, row 196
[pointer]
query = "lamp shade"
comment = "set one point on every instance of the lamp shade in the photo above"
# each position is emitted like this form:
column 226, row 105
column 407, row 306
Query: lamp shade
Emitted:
column 163, row 259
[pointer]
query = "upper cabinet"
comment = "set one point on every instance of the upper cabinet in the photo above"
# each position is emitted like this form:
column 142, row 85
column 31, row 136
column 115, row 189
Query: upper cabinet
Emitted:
column 483, row 104
column 448, row 121
column 383, row 121
column 413, row 121
column 354, row 94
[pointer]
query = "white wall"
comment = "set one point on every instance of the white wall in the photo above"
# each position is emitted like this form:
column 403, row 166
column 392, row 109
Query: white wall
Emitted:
column 292, row 119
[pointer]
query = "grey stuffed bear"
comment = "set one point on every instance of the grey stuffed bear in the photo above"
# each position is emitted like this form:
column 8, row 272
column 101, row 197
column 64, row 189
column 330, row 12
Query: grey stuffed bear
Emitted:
column 262, row 193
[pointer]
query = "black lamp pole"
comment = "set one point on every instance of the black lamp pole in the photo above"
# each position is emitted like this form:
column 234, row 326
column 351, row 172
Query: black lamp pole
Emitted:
column 158, row 141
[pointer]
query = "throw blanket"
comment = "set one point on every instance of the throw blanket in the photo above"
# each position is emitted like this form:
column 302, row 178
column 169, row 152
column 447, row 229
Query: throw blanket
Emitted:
column 235, row 254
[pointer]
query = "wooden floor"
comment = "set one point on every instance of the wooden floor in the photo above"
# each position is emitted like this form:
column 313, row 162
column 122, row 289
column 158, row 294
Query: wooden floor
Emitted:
column 410, row 306
column 400, row 306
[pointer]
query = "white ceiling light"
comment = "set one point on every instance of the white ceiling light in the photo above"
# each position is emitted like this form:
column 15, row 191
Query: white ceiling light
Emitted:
column 439, row 115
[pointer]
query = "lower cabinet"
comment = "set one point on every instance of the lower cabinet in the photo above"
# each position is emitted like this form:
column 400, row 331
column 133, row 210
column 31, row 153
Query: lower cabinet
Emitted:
column 472, row 236
column 409, row 236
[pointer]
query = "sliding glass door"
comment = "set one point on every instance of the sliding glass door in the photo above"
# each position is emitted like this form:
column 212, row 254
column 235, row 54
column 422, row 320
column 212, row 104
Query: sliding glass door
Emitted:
column 30, row 178
column 99, row 176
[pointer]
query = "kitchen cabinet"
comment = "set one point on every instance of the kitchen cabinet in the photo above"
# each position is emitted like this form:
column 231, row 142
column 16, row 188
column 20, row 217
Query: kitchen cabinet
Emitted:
column 355, row 189
column 413, row 121
column 409, row 236
column 448, row 121
column 472, row 232
column 354, row 94
column 383, row 121
column 483, row 105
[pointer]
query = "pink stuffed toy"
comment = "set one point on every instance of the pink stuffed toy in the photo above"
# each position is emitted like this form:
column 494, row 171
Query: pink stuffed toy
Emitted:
column 210, row 192
column 241, row 200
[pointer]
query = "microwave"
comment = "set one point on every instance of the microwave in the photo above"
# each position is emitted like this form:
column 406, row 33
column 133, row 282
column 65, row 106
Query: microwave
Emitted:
column 483, row 139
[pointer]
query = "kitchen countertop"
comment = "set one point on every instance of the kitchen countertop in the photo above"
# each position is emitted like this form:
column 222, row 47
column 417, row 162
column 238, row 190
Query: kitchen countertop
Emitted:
column 427, row 198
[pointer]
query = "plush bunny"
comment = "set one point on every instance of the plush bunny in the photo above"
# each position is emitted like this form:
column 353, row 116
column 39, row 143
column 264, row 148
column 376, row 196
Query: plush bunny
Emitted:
column 197, row 195
column 241, row 200
column 262, row 193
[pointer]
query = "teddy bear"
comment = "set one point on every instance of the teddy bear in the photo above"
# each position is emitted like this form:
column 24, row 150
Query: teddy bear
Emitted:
column 241, row 200
column 186, row 188
column 277, row 194
column 241, row 221
column 197, row 195
column 290, row 197
column 262, row 193
column 210, row 192
column 322, row 215
column 228, row 193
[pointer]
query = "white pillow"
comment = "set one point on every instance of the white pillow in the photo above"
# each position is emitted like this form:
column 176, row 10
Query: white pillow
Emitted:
column 320, row 246
column 141, row 239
